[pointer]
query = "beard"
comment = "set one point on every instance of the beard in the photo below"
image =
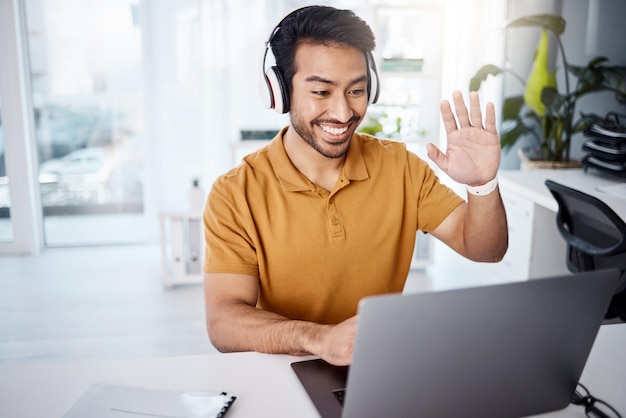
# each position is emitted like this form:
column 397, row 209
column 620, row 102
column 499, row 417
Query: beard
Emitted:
column 327, row 149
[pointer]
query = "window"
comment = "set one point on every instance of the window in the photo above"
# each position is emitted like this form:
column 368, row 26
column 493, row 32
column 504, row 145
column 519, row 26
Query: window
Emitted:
column 86, row 76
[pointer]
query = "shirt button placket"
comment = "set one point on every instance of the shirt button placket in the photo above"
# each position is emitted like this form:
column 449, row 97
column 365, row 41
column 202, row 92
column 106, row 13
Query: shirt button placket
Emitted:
column 336, row 227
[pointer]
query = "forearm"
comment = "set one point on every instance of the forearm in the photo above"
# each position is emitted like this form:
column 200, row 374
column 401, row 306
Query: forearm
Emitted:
column 485, row 231
column 234, row 323
column 241, row 327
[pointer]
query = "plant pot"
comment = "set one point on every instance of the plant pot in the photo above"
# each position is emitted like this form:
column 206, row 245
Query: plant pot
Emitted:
column 532, row 164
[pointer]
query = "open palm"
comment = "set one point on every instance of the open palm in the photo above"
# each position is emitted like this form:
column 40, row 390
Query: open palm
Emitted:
column 472, row 156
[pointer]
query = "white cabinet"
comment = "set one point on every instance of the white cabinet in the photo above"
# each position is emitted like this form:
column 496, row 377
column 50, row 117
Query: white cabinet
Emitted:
column 536, row 248
column 520, row 220
column 182, row 247
column 423, row 252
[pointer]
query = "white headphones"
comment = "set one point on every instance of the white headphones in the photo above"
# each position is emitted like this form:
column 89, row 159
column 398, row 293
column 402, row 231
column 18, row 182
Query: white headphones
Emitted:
column 273, row 87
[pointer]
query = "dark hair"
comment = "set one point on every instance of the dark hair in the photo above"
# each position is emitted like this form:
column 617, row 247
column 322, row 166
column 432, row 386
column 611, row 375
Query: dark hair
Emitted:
column 320, row 25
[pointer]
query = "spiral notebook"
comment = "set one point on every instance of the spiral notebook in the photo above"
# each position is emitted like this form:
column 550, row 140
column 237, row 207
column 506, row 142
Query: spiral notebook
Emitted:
column 115, row 401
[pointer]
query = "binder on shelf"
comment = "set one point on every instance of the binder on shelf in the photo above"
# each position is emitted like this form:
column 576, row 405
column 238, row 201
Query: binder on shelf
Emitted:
column 182, row 247
column 177, row 239
column 195, row 247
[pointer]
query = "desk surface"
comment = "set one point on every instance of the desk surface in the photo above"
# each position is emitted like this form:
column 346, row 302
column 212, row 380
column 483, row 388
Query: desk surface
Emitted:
column 530, row 184
column 264, row 384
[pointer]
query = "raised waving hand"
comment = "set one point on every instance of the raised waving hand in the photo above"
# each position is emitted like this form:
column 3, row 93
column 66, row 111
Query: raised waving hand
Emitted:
column 472, row 156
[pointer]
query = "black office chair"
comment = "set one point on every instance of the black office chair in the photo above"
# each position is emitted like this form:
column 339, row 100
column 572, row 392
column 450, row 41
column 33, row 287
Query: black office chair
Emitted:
column 595, row 237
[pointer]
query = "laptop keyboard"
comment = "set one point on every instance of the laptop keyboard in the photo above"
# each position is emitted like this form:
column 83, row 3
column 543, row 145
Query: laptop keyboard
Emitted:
column 339, row 395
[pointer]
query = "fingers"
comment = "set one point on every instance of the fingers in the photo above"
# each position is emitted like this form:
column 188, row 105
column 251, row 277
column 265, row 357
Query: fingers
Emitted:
column 436, row 156
column 462, row 114
column 490, row 118
column 461, row 110
column 466, row 119
column 339, row 343
column 449, row 122
column 476, row 116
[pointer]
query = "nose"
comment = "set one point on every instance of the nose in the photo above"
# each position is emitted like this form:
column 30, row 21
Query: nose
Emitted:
column 340, row 109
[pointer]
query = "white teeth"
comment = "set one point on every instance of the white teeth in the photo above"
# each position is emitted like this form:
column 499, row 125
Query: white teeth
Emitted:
column 334, row 131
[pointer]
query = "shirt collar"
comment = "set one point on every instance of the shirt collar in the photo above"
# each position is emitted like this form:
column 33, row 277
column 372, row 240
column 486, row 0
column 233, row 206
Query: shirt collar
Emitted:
column 293, row 181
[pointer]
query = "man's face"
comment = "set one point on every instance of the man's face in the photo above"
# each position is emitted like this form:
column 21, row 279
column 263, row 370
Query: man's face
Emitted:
column 329, row 96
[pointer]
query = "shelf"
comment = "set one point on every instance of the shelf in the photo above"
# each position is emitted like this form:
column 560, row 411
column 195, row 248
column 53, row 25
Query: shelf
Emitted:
column 182, row 247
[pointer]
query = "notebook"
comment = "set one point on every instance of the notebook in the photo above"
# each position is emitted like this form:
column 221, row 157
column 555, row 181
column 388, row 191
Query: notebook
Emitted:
column 506, row 350
column 103, row 400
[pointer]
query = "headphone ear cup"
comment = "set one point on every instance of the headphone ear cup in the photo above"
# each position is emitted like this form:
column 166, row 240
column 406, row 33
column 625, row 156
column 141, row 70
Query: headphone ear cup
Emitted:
column 278, row 89
column 373, row 85
column 374, row 89
column 265, row 91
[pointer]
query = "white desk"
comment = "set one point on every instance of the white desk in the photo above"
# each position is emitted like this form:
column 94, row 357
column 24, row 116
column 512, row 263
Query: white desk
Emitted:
column 530, row 184
column 536, row 248
column 265, row 385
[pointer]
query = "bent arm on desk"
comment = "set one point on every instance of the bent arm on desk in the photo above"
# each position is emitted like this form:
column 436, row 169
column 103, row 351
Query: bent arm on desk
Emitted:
column 234, row 323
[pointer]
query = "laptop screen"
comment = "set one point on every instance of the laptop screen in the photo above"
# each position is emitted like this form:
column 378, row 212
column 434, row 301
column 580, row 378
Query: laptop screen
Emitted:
column 513, row 349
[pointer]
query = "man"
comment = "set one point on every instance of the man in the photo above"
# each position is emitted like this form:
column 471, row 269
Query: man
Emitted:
column 323, row 216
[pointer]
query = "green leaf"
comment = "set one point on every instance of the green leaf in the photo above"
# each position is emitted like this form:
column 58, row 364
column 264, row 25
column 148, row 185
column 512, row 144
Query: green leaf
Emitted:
column 593, row 77
column 554, row 23
column 512, row 107
column 509, row 136
column 597, row 60
column 549, row 96
column 585, row 121
column 552, row 101
column 482, row 74
column 540, row 76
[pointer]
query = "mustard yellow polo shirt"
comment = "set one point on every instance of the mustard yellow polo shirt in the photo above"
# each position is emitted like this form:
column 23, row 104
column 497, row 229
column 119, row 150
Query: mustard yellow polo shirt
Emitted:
column 317, row 253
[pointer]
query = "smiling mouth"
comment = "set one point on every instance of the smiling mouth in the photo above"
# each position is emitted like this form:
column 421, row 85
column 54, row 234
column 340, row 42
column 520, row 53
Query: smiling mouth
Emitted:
column 334, row 131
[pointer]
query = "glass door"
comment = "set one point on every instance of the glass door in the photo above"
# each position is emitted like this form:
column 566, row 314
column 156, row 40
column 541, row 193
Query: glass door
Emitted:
column 6, row 228
column 86, row 75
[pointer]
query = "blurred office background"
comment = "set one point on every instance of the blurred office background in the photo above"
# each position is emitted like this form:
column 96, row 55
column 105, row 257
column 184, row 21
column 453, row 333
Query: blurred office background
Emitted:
column 110, row 109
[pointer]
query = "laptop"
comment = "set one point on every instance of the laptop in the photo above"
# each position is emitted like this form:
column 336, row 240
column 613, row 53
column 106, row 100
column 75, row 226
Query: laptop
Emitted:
column 506, row 350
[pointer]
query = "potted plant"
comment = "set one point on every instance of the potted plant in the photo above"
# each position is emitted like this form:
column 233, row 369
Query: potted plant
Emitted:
column 545, row 111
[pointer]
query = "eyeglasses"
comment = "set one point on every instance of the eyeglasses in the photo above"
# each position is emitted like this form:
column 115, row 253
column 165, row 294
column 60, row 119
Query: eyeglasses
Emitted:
column 594, row 407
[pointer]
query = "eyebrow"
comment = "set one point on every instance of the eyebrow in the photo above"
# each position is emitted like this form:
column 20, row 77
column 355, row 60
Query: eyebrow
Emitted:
column 319, row 79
